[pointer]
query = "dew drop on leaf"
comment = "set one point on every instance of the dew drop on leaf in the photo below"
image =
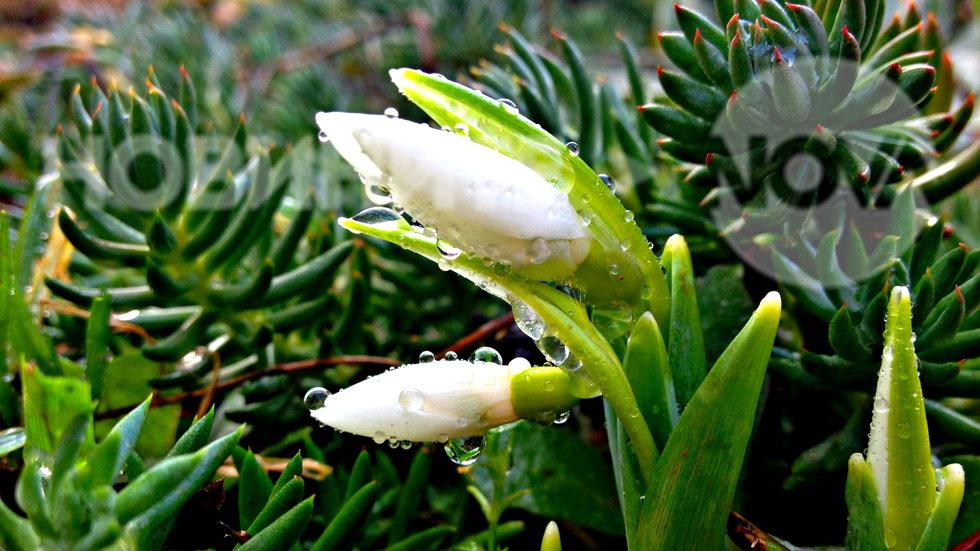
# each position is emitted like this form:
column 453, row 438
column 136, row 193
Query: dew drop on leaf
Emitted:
column 446, row 250
column 528, row 320
column 612, row 319
column 466, row 450
column 608, row 182
column 572, row 148
column 462, row 129
column 315, row 398
column 509, row 106
column 553, row 349
column 562, row 418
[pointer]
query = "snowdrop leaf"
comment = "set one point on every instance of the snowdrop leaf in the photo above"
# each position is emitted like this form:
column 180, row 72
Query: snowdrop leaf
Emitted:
column 688, row 502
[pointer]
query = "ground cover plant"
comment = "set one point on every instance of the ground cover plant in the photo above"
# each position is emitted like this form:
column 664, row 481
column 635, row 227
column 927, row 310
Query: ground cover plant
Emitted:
column 440, row 275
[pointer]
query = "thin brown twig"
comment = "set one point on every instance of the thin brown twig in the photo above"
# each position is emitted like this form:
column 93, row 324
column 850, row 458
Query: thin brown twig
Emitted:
column 116, row 325
column 480, row 335
column 205, row 405
column 159, row 400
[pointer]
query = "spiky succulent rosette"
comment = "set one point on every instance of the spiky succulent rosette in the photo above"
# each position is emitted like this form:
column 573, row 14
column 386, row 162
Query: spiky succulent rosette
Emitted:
column 781, row 79
column 848, row 287
column 187, row 252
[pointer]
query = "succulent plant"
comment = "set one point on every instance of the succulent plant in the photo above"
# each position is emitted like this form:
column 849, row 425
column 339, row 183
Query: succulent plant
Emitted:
column 189, row 250
column 788, row 102
column 847, row 287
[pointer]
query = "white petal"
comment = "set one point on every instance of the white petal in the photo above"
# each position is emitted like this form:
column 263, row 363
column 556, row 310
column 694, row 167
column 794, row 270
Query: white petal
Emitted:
column 424, row 402
column 480, row 200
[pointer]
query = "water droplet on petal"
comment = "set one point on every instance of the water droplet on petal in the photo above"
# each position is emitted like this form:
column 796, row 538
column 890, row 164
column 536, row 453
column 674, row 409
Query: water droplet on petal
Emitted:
column 406, row 444
column 410, row 399
column 391, row 113
column 487, row 355
column 323, row 136
column 613, row 269
column 572, row 148
column 624, row 244
column 881, row 404
column 380, row 437
column 888, row 352
column 315, row 398
column 444, row 264
column 646, row 293
column 379, row 195
column 426, row 357
column 451, row 356
column 466, row 450
column 509, row 106
column 538, row 251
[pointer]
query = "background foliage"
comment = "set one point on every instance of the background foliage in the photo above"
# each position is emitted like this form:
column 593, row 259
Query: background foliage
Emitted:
column 278, row 64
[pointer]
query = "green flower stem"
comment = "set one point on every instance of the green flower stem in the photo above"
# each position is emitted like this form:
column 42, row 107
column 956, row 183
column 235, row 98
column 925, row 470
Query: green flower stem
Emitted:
column 565, row 316
column 623, row 268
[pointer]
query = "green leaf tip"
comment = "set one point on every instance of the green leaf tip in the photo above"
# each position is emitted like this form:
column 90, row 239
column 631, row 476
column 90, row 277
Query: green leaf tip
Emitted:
column 899, row 456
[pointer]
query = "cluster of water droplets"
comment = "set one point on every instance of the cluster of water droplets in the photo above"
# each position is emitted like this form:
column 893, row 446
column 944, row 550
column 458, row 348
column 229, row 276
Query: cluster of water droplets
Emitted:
column 554, row 350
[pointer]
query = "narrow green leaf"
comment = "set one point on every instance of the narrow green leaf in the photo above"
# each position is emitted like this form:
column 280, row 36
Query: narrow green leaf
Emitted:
column 361, row 474
column 292, row 470
column 685, row 349
column 950, row 483
column 865, row 524
column 51, row 405
column 647, row 367
column 898, row 451
column 254, row 489
column 426, row 539
column 290, row 494
column 195, row 437
column 97, row 344
column 349, row 520
column 16, row 533
column 144, row 527
column 284, row 532
column 12, row 439
column 410, row 495
column 693, row 486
